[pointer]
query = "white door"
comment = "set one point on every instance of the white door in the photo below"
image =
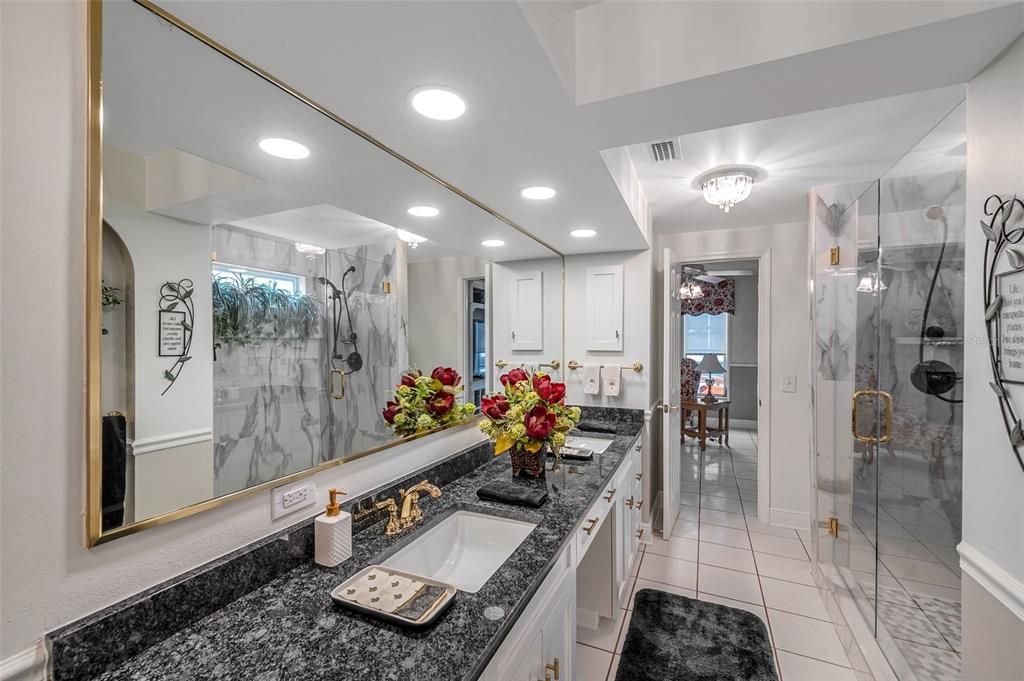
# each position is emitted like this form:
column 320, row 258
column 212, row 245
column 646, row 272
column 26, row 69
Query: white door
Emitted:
column 670, row 397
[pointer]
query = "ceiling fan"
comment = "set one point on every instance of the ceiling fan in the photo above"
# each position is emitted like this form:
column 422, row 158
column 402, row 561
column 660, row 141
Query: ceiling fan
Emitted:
column 700, row 273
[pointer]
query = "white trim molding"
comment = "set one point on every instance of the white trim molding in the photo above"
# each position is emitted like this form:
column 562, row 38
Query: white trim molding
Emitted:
column 28, row 665
column 797, row 520
column 156, row 443
column 1001, row 584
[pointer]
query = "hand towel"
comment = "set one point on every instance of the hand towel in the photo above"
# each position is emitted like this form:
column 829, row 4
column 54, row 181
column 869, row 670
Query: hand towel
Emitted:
column 611, row 377
column 591, row 379
column 508, row 492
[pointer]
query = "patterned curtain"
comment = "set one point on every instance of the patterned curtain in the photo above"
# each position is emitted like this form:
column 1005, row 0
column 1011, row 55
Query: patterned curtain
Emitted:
column 718, row 298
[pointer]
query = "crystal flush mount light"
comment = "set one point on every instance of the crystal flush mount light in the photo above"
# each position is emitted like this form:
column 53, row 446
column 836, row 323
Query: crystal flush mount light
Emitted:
column 309, row 250
column 690, row 290
column 727, row 188
column 413, row 240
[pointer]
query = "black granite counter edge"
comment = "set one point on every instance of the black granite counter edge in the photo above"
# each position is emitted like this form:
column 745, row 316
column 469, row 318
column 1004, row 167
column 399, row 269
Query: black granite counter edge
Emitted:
column 80, row 653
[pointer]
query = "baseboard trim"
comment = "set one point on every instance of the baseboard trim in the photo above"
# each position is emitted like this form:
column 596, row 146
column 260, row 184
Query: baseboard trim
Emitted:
column 1001, row 584
column 783, row 517
column 28, row 665
column 749, row 424
column 158, row 443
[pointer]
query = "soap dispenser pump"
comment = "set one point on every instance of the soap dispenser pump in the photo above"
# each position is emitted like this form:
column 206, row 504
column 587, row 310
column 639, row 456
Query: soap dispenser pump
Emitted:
column 332, row 534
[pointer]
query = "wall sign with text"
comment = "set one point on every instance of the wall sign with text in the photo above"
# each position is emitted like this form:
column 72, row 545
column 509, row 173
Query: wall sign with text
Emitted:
column 177, row 315
column 1003, row 227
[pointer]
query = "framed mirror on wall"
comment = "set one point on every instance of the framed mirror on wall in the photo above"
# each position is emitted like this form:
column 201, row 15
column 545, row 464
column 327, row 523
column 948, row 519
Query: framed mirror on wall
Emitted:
column 263, row 276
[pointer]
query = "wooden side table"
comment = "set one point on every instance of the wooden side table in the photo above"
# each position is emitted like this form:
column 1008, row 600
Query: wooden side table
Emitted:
column 703, row 430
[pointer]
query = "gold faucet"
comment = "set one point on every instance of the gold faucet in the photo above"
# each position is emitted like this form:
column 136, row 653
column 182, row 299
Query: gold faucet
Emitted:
column 410, row 512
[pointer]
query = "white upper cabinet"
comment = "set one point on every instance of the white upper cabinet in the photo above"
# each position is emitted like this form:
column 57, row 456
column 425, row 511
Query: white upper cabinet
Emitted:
column 527, row 331
column 604, row 308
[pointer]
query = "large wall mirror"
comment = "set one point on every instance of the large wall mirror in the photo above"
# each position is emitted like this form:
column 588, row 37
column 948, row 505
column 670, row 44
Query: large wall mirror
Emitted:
column 263, row 275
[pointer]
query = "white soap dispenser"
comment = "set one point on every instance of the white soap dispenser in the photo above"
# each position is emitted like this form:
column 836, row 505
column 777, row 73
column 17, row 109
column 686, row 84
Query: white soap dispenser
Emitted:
column 332, row 535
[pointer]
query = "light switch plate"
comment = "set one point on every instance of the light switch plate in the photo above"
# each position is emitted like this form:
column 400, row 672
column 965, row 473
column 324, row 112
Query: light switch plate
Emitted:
column 789, row 383
column 290, row 498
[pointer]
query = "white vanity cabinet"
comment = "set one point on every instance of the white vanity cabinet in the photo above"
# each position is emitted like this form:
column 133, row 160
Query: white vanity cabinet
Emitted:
column 604, row 313
column 544, row 637
column 527, row 306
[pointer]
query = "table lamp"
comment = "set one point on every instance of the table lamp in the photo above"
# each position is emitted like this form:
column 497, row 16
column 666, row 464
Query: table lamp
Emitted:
column 708, row 366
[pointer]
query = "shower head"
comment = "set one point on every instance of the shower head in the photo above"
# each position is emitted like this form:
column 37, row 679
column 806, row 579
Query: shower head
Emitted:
column 327, row 282
column 936, row 213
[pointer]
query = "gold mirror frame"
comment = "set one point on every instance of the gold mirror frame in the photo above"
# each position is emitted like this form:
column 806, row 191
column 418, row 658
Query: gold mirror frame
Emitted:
column 94, row 273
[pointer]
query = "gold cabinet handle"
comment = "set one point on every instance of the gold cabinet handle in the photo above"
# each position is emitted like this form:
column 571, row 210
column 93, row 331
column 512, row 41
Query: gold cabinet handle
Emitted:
column 553, row 668
column 640, row 533
column 593, row 523
column 639, row 476
column 887, row 416
column 629, row 502
column 639, row 448
column 611, row 494
column 340, row 393
column 639, row 504
column 501, row 364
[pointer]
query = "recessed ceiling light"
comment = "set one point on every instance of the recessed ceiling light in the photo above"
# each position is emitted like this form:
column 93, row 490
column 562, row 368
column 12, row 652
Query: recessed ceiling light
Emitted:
column 413, row 240
column 537, row 193
column 439, row 103
column 492, row 243
column 583, row 233
column 423, row 211
column 282, row 148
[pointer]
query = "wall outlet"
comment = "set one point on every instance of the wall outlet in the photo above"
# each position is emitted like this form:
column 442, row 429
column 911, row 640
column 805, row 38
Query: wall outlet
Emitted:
column 789, row 383
column 290, row 498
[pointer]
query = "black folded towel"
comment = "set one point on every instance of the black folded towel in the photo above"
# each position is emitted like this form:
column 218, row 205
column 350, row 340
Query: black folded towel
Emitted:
column 591, row 427
column 508, row 492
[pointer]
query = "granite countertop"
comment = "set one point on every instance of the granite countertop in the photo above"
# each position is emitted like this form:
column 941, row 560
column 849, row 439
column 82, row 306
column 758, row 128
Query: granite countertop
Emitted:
column 291, row 629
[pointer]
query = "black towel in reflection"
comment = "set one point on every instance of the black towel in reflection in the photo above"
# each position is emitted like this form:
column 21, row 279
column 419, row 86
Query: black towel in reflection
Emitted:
column 508, row 492
column 591, row 427
column 115, row 462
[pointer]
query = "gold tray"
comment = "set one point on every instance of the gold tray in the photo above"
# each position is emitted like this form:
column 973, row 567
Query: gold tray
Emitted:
column 345, row 593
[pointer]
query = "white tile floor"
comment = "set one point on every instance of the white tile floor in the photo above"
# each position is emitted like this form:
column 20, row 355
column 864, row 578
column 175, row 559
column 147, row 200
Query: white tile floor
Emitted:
column 719, row 552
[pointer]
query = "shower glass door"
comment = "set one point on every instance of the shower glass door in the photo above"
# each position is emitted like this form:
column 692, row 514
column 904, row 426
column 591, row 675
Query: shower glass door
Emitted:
column 887, row 400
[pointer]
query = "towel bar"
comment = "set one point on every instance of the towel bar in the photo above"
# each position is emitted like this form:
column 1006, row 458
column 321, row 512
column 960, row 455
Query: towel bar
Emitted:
column 635, row 366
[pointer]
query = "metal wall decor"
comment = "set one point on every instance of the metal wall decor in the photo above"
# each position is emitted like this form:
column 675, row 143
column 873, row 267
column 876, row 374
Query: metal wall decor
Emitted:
column 1004, row 306
column 177, row 314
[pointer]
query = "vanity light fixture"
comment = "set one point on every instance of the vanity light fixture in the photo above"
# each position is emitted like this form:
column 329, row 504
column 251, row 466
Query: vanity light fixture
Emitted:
column 413, row 240
column 284, row 148
column 309, row 250
column 583, row 233
column 492, row 243
column 537, row 193
column 438, row 103
column 423, row 212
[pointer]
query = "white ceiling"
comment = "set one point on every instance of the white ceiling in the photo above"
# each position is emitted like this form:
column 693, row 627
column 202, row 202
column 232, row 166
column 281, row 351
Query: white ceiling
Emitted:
column 834, row 146
column 361, row 59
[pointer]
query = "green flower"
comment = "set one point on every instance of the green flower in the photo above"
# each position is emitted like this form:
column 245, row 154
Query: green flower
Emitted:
column 425, row 422
column 557, row 440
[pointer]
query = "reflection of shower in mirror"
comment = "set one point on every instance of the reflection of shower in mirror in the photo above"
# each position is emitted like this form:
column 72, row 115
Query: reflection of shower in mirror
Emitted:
column 337, row 296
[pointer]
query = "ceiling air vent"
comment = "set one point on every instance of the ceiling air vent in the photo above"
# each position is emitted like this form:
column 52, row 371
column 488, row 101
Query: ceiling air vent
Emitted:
column 664, row 151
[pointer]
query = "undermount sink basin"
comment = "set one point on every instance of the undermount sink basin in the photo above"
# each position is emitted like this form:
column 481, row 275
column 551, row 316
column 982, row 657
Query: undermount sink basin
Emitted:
column 464, row 549
column 594, row 444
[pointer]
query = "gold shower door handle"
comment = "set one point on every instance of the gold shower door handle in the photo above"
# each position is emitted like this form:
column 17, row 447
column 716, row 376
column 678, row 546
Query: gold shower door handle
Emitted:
column 886, row 416
column 341, row 384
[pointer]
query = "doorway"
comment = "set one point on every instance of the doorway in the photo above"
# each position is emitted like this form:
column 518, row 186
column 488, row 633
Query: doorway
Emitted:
column 475, row 335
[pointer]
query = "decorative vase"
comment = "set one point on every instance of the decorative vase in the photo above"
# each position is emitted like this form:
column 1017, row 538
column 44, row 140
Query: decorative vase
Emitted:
column 526, row 463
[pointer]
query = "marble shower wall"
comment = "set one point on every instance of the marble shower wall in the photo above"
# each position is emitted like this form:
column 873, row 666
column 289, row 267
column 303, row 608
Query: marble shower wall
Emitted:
column 273, row 414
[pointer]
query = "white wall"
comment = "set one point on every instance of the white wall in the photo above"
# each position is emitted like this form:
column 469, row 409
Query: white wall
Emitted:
column 436, row 294
column 993, row 480
column 47, row 577
column 789, row 482
column 500, row 299
column 636, row 338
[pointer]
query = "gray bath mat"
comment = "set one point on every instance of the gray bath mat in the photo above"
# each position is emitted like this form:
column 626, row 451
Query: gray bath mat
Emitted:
column 675, row 638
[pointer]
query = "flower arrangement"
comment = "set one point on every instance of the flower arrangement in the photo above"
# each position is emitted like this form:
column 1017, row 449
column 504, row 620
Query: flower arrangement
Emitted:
column 529, row 414
column 426, row 402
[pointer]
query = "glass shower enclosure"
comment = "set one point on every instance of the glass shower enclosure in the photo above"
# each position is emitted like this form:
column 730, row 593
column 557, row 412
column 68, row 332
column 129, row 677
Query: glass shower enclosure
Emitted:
column 888, row 267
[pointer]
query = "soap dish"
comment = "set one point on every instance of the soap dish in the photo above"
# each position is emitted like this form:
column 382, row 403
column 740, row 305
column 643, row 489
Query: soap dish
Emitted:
column 574, row 454
column 399, row 597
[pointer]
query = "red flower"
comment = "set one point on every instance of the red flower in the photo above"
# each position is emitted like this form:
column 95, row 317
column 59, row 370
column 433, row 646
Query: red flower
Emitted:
column 391, row 411
column 495, row 407
column 446, row 376
column 539, row 422
column 552, row 393
column 410, row 377
column 441, row 403
column 514, row 376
